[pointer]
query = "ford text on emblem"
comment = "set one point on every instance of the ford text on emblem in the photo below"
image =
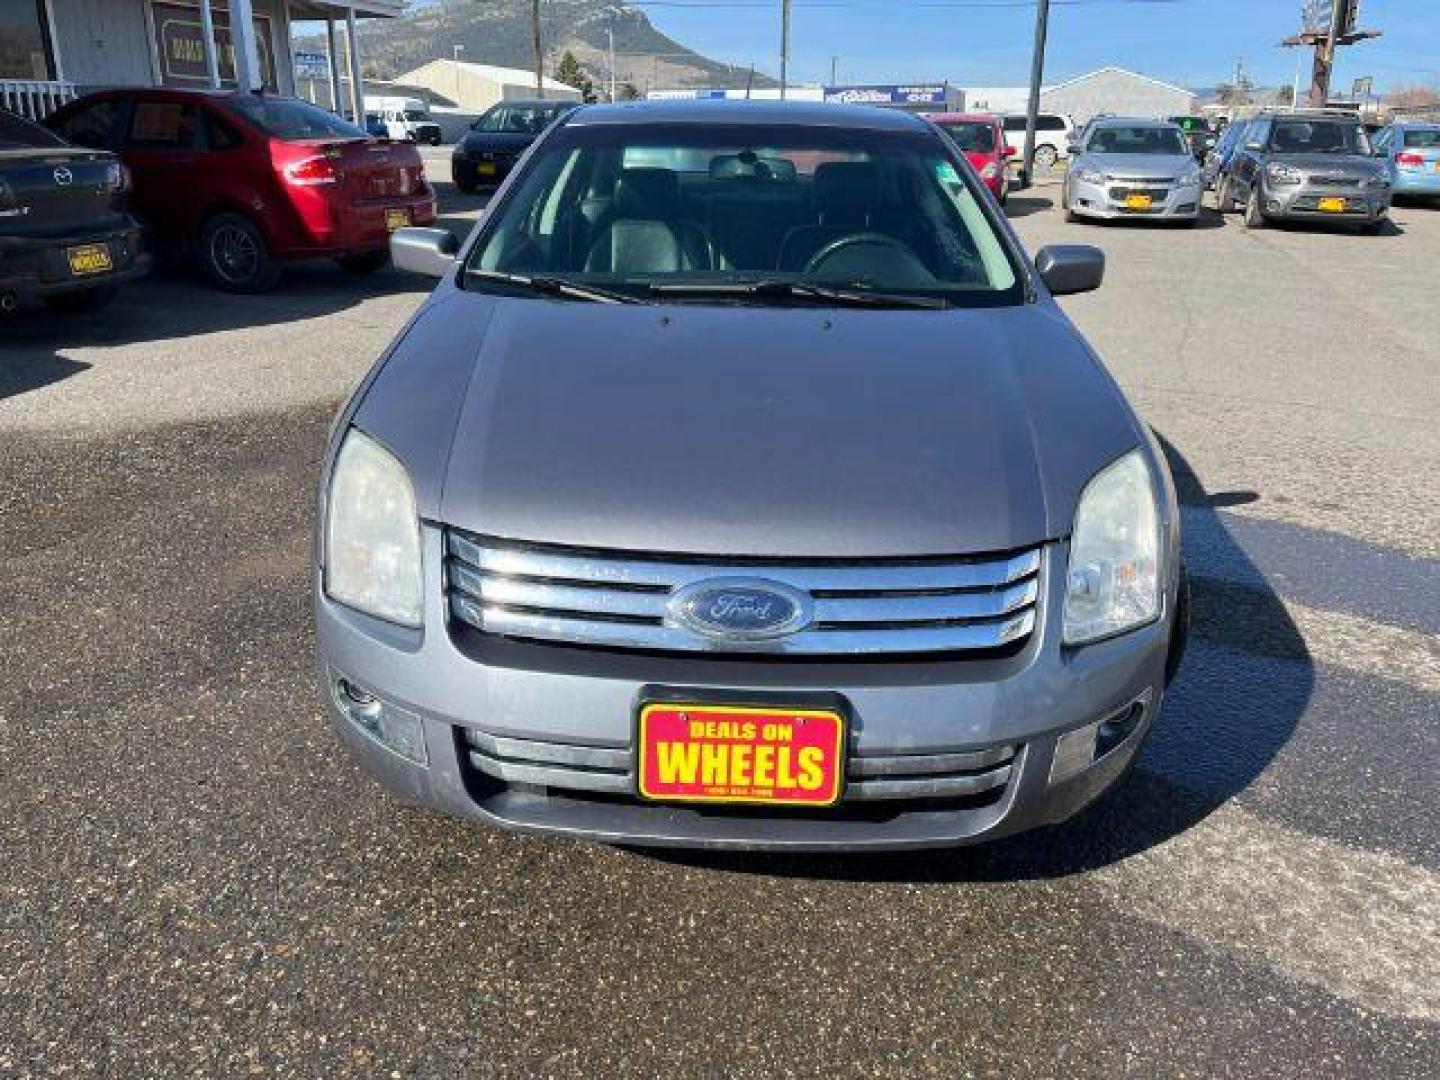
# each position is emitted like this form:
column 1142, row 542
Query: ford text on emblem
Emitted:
column 741, row 609
column 63, row 176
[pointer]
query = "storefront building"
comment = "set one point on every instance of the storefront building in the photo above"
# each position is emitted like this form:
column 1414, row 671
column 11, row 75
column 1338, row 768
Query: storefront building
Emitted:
column 50, row 50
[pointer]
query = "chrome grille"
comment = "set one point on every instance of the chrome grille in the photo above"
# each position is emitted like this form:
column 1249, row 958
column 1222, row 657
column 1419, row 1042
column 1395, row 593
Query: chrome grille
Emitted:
column 614, row 600
column 610, row 771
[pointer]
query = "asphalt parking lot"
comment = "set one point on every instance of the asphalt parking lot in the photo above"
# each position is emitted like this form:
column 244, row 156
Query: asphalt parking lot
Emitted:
column 198, row 881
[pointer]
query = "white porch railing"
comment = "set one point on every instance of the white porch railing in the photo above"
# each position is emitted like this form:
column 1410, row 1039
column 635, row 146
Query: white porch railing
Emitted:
column 33, row 98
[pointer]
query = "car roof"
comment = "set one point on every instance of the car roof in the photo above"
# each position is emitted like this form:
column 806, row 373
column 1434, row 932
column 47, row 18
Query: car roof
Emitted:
column 759, row 113
column 1132, row 121
column 537, row 103
column 963, row 117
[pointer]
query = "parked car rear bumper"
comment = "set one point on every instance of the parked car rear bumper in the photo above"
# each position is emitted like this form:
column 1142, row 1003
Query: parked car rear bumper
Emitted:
column 356, row 227
column 35, row 267
column 1415, row 181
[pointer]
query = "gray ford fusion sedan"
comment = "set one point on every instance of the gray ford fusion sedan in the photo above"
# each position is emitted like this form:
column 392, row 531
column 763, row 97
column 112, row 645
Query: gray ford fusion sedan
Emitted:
column 741, row 485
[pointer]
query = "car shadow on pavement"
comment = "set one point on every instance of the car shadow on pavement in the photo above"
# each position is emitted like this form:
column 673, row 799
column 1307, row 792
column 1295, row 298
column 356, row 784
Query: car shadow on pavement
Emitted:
column 1208, row 219
column 1238, row 698
column 1019, row 206
column 173, row 304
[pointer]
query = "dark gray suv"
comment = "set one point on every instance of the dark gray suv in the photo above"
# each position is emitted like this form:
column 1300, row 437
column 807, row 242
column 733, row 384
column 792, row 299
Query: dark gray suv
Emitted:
column 1306, row 166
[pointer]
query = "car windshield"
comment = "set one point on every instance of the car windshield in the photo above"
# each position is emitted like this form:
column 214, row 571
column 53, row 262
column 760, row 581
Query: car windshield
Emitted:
column 972, row 136
column 1136, row 140
column 1422, row 138
column 291, row 119
column 520, row 119
column 1296, row 136
column 755, row 214
column 414, row 115
column 17, row 133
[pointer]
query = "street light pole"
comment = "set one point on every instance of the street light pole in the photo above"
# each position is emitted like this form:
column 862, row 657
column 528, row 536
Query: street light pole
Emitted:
column 1037, row 76
column 784, row 48
column 610, row 30
column 539, row 55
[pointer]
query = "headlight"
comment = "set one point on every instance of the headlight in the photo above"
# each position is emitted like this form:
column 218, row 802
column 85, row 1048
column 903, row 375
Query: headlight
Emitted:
column 1189, row 179
column 372, row 534
column 1091, row 176
column 990, row 171
column 1281, row 173
column 1113, row 583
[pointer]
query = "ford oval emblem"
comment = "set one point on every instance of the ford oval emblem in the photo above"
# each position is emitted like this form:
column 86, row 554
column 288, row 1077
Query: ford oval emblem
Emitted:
column 741, row 609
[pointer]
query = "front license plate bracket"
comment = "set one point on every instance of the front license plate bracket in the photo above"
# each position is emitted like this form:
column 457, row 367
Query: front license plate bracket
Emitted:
column 740, row 749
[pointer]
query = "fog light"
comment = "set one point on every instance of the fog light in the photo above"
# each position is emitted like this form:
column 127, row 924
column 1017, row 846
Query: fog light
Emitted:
column 1077, row 750
column 398, row 730
column 1074, row 753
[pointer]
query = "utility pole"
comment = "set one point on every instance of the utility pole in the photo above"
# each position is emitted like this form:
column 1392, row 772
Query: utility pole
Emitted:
column 610, row 30
column 539, row 55
column 784, row 48
column 1037, row 76
column 1327, row 25
column 834, row 70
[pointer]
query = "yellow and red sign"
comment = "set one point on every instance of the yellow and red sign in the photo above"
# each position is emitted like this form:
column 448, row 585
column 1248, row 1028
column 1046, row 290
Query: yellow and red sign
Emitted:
column 722, row 754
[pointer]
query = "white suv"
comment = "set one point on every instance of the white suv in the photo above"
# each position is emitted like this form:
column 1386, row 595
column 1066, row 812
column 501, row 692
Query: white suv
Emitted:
column 1053, row 134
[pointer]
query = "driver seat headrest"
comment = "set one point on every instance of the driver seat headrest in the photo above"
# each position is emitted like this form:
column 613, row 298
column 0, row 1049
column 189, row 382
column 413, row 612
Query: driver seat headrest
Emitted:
column 847, row 190
column 647, row 194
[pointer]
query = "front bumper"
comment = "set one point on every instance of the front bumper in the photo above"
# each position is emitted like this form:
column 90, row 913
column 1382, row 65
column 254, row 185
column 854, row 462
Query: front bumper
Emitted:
column 450, row 678
column 35, row 267
column 1109, row 200
column 480, row 171
column 1302, row 202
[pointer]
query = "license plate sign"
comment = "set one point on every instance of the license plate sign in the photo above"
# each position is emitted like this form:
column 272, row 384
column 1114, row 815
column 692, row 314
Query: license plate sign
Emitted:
column 1332, row 206
column 1136, row 201
column 397, row 219
column 740, row 755
column 89, row 259
column 486, row 168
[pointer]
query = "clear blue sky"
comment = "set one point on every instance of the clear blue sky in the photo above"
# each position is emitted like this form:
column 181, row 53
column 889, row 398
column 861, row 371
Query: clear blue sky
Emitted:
column 987, row 42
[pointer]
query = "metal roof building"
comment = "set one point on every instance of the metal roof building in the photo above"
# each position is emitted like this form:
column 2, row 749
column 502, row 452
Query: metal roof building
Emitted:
column 1115, row 90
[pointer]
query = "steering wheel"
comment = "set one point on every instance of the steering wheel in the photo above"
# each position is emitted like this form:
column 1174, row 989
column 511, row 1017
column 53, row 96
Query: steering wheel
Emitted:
column 894, row 260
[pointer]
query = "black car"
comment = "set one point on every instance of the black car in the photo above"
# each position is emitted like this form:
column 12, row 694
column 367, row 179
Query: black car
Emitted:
column 489, row 150
column 65, row 237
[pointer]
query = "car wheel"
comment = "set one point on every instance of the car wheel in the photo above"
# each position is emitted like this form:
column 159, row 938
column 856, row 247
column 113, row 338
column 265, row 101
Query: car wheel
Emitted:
column 1046, row 155
column 1224, row 196
column 82, row 299
column 235, row 256
column 364, row 262
column 1254, row 216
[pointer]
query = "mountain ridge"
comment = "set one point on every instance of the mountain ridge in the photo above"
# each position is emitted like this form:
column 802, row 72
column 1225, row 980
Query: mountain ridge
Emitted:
column 499, row 32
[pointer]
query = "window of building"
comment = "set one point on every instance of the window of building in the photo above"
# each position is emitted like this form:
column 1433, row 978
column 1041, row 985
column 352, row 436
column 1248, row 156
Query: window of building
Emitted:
column 24, row 44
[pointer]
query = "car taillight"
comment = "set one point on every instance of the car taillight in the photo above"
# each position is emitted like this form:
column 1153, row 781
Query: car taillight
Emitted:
column 1409, row 161
column 311, row 170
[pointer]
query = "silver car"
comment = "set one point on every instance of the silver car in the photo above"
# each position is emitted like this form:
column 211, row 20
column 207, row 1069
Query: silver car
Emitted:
column 741, row 485
column 1133, row 168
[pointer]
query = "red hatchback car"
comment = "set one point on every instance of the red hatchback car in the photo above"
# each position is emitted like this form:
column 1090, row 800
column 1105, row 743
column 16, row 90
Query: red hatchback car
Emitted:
column 982, row 137
column 246, row 182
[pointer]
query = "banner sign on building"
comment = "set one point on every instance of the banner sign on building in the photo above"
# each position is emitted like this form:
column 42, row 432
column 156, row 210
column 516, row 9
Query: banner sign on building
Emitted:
column 180, row 44
column 887, row 95
column 312, row 65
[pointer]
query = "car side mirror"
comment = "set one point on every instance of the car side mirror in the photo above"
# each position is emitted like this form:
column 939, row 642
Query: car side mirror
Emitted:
column 1070, row 268
column 424, row 251
column 1009, row 151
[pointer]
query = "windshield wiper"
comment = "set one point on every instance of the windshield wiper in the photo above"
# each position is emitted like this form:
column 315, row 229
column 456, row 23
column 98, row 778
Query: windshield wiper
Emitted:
column 553, row 286
column 848, row 296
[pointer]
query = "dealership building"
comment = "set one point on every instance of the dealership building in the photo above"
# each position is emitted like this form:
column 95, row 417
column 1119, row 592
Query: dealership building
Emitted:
column 52, row 50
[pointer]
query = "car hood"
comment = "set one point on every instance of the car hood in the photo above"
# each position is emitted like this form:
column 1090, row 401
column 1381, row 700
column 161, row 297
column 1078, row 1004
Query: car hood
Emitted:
column 1141, row 165
column 767, row 431
column 1351, row 165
